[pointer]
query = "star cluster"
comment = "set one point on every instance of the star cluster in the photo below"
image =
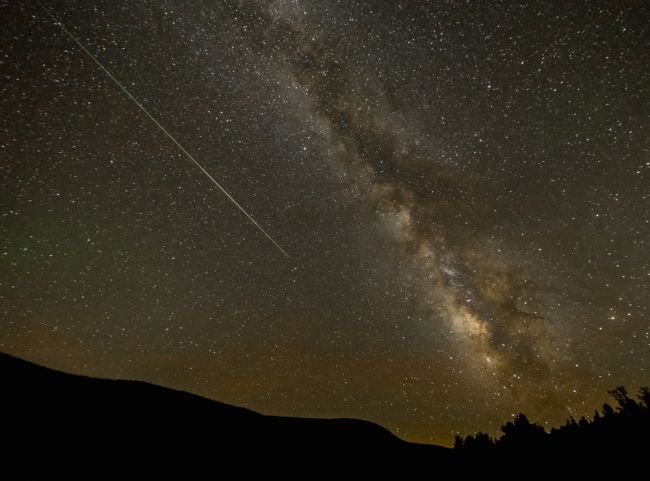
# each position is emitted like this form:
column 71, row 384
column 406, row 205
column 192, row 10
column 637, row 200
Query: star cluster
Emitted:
column 462, row 188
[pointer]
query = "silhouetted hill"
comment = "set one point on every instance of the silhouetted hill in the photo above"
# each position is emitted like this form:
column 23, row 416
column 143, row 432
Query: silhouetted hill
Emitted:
column 47, row 411
column 49, row 418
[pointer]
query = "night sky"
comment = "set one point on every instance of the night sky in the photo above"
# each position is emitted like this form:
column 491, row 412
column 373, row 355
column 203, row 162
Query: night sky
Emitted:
column 462, row 189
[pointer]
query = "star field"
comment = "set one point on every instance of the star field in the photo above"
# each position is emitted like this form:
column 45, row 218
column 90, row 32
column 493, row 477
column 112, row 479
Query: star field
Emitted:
column 461, row 187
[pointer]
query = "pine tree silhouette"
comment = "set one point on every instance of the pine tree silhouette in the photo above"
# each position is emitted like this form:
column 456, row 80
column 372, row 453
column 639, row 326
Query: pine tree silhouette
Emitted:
column 620, row 430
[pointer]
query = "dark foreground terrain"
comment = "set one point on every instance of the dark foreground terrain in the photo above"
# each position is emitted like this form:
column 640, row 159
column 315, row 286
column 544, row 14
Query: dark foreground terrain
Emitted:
column 49, row 419
column 46, row 411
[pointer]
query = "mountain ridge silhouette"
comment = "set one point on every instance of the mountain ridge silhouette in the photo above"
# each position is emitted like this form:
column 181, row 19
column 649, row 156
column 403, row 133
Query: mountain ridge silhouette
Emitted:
column 51, row 418
column 39, row 403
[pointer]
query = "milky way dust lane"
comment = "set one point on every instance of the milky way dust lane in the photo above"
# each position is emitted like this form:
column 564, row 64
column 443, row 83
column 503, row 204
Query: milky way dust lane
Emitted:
column 155, row 121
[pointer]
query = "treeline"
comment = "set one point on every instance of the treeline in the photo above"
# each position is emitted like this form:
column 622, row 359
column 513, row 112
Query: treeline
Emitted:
column 624, row 427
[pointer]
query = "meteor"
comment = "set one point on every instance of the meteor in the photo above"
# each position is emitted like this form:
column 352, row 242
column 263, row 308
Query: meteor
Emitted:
column 155, row 121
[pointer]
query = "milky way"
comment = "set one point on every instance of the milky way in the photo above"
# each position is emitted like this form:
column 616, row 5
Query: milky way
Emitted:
column 463, row 189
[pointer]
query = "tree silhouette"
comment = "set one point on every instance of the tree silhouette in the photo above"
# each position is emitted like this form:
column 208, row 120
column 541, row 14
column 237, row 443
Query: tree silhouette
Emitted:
column 608, row 411
column 521, row 433
column 621, row 430
column 625, row 404
column 644, row 397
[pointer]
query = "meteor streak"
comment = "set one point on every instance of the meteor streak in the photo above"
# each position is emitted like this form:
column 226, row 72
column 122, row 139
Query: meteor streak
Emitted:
column 155, row 121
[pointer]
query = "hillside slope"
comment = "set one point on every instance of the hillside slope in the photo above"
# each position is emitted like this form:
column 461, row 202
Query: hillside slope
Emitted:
column 50, row 410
